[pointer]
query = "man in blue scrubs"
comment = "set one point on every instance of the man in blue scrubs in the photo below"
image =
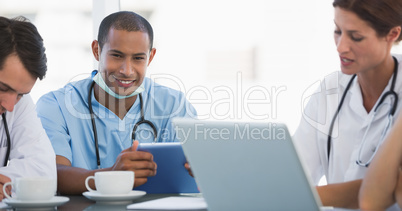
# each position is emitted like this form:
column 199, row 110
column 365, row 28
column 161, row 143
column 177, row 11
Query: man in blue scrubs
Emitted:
column 117, row 94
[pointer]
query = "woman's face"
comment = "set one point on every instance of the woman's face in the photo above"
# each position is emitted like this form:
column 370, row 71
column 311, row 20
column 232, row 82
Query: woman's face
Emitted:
column 360, row 49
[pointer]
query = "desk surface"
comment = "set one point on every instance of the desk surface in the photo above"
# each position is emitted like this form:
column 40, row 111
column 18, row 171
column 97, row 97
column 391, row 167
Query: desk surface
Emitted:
column 79, row 202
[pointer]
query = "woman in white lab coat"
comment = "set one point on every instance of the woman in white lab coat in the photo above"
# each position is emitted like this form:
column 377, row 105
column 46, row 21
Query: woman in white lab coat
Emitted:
column 351, row 111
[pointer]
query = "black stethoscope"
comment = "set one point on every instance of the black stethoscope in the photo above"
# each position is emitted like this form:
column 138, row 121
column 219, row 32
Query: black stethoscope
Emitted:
column 391, row 113
column 8, row 139
column 141, row 121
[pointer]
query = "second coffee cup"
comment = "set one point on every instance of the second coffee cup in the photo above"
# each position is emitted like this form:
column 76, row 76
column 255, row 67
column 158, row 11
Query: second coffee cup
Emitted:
column 112, row 182
column 32, row 188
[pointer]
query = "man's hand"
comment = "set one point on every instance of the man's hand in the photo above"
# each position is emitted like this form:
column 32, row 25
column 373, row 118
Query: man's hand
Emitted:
column 187, row 166
column 4, row 180
column 141, row 163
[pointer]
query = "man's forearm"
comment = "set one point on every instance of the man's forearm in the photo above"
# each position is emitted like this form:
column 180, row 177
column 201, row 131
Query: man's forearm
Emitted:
column 71, row 180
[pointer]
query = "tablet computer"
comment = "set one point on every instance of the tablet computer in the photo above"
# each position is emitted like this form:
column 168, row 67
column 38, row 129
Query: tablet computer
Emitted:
column 171, row 176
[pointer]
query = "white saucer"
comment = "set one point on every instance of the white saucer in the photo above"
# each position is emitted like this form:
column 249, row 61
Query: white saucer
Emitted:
column 55, row 201
column 98, row 197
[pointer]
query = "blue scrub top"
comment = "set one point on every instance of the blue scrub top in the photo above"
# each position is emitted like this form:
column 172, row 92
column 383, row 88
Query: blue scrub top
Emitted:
column 65, row 117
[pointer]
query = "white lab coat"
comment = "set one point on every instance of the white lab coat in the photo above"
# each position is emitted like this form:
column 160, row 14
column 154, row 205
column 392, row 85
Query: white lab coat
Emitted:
column 350, row 126
column 31, row 153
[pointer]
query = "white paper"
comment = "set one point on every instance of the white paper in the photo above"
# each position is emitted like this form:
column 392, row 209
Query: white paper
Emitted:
column 171, row 203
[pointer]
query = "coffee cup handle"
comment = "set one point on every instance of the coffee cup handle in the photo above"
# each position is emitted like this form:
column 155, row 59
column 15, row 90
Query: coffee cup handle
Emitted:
column 4, row 189
column 86, row 183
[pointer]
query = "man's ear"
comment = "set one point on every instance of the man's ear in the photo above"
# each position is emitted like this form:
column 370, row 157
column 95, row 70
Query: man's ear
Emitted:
column 394, row 33
column 151, row 55
column 95, row 49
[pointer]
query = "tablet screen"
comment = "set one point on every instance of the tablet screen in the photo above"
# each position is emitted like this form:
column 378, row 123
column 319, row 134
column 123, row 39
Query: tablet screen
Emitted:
column 171, row 176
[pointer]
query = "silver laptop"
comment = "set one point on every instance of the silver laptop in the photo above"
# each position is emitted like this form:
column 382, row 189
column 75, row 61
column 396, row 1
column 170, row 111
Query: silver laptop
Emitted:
column 246, row 165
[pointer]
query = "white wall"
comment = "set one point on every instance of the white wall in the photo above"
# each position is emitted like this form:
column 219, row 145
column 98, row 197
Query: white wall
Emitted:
column 291, row 44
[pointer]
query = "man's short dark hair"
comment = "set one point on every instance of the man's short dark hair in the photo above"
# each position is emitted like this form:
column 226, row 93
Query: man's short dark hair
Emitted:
column 124, row 20
column 19, row 36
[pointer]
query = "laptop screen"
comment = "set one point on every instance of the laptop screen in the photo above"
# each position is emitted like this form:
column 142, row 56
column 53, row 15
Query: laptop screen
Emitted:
column 246, row 165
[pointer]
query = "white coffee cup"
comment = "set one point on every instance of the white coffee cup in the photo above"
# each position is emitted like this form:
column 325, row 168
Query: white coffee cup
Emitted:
column 112, row 182
column 32, row 188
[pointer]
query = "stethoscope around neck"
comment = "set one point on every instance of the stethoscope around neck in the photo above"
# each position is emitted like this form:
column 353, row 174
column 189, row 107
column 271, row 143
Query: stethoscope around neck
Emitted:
column 390, row 93
column 141, row 121
column 8, row 139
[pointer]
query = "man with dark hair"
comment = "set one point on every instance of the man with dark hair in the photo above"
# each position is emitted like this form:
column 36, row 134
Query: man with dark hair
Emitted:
column 96, row 124
column 24, row 146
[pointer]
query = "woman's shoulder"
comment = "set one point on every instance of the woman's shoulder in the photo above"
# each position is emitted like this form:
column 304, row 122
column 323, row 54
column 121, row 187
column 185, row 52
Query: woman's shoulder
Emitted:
column 337, row 79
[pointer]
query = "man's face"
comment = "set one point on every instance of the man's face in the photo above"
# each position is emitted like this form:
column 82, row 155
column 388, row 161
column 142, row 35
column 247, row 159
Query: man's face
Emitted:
column 15, row 81
column 124, row 59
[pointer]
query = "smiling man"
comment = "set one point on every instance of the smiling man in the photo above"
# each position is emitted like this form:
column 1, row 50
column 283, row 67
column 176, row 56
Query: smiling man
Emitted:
column 93, row 123
column 25, row 150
